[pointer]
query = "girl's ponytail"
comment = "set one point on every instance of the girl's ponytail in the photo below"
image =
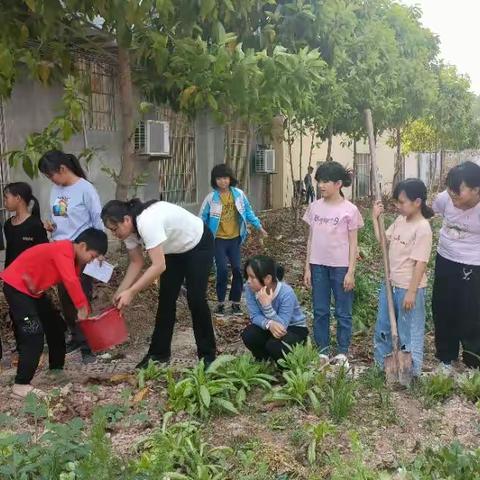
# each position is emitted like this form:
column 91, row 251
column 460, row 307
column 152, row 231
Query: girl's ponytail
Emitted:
column 279, row 272
column 427, row 211
column 75, row 166
column 35, row 207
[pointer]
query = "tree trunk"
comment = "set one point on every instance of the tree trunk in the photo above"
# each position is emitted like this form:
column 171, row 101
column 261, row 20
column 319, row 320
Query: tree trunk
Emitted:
column 295, row 200
column 354, row 179
column 329, row 145
column 312, row 146
column 125, row 176
column 398, row 170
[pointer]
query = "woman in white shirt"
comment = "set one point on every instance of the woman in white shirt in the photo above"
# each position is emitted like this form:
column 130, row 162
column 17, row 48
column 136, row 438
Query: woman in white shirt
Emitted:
column 181, row 247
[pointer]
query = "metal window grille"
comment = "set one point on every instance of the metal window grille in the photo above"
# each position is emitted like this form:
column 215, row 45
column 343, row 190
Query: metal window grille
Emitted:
column 177, row 174
column 100, row 76
column 4, row 170
column 363, row 183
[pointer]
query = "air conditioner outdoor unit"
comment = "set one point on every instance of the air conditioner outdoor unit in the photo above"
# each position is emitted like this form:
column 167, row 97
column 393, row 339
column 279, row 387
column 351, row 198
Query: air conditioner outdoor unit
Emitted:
column 152, row 138
column 265, row 161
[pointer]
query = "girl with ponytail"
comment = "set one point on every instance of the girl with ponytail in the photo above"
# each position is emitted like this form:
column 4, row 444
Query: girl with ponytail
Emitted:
column 409, row 247
column 181, row 248
column 24, row 229
column 331, row 258
column 74, row 207
column 277, row 318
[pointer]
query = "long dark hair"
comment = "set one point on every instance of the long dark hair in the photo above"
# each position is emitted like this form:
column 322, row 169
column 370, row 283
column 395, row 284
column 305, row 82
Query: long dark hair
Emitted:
column 54, row 159
column 467, row 172
column 334, row 172
column 24, row 191
column 115, row 211
column 414, row 188
column 262, row 265
column 222, row 170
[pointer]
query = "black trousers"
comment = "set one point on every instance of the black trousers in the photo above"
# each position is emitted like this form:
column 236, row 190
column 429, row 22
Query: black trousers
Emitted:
column 70, row 312
column 194, row 267
column 456, row 311
column 35, row 318
column 264, row 345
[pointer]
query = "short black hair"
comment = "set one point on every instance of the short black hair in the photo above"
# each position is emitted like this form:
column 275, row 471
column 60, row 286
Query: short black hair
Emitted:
column 262, row 265
column 95, row 239
column 467, row 172
column 220, row 171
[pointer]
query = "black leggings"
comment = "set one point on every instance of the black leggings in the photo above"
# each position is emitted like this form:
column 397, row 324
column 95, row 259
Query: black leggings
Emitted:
column 35, row 318
column 456, row 311
column 264, row 345
column 194, row 267
column 70, row 312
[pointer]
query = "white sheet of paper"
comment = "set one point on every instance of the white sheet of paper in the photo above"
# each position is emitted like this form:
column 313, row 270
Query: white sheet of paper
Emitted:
column 102, row 273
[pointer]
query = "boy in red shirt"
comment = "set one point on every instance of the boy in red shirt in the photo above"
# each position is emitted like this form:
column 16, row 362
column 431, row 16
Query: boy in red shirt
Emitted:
column 26, row 280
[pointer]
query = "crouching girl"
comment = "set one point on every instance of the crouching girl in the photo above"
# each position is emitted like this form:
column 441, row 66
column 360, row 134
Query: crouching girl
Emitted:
column 277, row 318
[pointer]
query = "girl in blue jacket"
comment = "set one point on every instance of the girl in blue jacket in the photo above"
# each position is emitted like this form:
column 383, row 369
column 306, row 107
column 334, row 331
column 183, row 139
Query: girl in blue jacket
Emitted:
column 277, row 318
column 226, row 211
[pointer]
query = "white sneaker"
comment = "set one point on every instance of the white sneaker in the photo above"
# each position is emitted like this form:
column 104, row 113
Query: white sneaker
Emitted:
column 21, row 391
column 444, row 369
column 324, row 359
column 342, row 360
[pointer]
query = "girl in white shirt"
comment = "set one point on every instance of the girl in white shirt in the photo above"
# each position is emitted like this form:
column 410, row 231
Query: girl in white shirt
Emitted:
column 181, row 247
column 456, row 288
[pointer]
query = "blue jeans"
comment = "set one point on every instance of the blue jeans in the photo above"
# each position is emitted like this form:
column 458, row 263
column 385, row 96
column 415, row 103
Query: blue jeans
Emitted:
column 411, row 327
column 325, row 281
column 228, row 251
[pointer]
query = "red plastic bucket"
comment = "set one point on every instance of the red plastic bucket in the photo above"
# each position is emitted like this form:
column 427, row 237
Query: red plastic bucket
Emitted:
column 105, row 330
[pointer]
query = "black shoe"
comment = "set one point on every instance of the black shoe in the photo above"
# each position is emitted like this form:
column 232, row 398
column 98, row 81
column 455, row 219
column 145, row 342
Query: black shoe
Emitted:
column 154, row 358
column 88, row 357
column 207, row 362
column 236, row 310
column 220, row 310
column 73, row 345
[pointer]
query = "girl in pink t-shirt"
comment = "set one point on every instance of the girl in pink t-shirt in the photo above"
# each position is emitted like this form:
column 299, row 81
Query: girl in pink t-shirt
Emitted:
column 409, row 247
column 331, row 258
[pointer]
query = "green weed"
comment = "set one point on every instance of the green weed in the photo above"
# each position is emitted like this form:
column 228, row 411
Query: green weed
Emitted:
column 436, row 388
column 177, row 451
column 341, row 397
column 302, row 356
column 452, row 462
column 301, row 387
column 151, row 372
column 317, row 434
column 200, row 391
column 470, row 386
column 245, row 373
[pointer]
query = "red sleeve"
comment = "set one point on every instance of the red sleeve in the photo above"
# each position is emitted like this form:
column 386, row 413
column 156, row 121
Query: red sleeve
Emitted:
column 71, row 280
